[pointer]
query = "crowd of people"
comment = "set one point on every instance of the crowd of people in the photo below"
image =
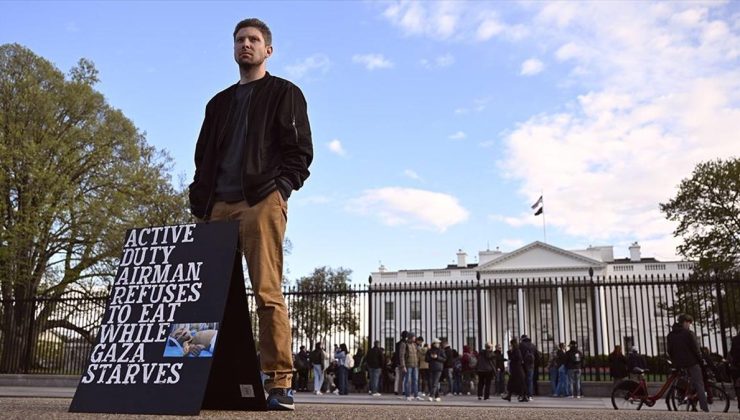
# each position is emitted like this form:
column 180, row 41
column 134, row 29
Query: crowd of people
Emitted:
column 416, row 370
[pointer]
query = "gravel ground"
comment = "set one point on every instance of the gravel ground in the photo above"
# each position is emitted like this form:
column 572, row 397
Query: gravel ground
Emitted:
column 56, row 408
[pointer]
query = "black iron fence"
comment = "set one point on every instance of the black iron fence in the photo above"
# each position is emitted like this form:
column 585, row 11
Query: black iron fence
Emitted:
column 597, row 313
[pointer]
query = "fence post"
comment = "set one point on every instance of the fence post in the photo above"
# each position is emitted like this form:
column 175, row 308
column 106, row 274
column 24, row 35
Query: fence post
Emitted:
column 370, row 312
column 480, row 310
column 29, row 340
column 721, row 312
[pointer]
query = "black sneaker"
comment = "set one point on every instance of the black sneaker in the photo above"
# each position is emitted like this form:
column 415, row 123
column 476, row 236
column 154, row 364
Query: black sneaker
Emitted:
column 280, row 399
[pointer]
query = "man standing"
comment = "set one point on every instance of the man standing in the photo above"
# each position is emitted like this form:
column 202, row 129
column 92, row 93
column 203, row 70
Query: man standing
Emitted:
column 574, row 364
column 398, row 383
column 317, row 357
column 448, row 365
column 375, row 361
column 683, row 351
column 253, row 150
column 302, row 366
column 409, row 359
column 529, row 355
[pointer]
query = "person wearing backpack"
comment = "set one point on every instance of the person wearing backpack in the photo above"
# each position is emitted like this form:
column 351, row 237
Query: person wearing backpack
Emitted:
column 485, row 369
column 469, row 362
column 529, row 354
column 574, row 365
column 316, row 357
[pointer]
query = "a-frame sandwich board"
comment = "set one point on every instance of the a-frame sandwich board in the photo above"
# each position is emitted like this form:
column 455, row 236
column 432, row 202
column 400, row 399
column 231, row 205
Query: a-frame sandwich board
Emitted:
column 176, row 334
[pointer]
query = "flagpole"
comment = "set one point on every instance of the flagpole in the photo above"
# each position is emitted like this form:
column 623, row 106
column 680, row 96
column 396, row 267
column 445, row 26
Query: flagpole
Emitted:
column 544, row 224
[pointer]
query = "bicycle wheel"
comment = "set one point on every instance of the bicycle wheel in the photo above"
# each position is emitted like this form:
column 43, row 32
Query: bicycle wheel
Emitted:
column 677, row 395
column 628, row 395
column 717, row 399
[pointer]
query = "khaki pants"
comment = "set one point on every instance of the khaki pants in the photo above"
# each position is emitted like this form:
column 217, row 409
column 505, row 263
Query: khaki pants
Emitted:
column 261, row 232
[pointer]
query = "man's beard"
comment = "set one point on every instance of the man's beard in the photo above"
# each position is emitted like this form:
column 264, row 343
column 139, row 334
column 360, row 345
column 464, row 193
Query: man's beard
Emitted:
column 249, row 66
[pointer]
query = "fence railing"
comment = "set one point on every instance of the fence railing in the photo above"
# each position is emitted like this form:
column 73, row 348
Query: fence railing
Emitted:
column 597, row 313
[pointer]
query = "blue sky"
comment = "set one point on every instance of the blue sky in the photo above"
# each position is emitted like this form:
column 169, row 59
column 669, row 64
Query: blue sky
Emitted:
column 437, row 124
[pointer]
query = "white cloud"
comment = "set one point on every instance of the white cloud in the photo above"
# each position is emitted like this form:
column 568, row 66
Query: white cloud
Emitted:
column 460, row 135
column 315, row 63
column 445, row 60
column 416, row 18
column 531, row 67
column 451, row 20
column 372, row 61
column 663, row 93
column 418, row 209
column 478, row 106
column 335, row 146
column 409, row 173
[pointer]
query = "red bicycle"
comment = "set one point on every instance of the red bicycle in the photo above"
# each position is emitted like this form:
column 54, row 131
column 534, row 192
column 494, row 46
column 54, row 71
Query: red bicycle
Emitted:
column 629, row 394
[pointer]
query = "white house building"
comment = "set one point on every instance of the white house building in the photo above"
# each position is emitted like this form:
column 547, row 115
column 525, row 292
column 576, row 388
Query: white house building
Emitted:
column 549, row 293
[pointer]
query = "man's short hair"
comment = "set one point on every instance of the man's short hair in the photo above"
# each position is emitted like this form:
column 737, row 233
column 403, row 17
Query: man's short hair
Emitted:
column 255, row 23
column 685, row 318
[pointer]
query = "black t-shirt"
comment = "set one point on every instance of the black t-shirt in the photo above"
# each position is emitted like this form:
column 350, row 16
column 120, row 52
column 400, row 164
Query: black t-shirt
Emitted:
column 228, row 182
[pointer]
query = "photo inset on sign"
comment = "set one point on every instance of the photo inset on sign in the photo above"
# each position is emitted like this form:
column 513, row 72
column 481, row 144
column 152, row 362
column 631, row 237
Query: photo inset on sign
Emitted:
column 197, row 339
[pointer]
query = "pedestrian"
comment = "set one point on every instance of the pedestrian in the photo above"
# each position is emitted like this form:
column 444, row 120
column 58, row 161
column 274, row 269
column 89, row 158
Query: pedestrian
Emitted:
column 564, row 388
column 529, row 356
column 398, row 383
column 448, row 371
column 485, row 369
column 358, row 373
column 303, row 365
column 574, row 365
column 375, row 361
column 456, row 373
column 343, row 365
column 683, row 350
column 552, row 370
column 734, row 360
column 635, row 360
column 617, row 364
column 425, row 379
column 517, row 382
column 253, row 150
column 469, row 362
column 317, row 358
column 436, row 358
column 500, row 365
column 409, row 359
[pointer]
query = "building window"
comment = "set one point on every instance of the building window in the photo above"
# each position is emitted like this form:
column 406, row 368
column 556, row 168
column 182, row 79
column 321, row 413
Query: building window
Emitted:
column 442, row 310
column 415, row 310
column 390, row 311
column 546, row 317
column 469, row 309
column 512, row 317
column 390, row 344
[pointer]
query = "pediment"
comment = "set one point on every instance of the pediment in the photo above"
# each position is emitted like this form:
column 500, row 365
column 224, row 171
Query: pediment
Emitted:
column 540, row 256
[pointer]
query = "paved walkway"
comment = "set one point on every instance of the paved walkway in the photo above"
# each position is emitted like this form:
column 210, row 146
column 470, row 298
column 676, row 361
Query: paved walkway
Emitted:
column 23, row 402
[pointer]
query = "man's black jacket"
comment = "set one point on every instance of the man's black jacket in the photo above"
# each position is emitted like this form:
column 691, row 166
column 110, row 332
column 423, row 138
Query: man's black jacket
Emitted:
column 278, row 148
column 682, row 347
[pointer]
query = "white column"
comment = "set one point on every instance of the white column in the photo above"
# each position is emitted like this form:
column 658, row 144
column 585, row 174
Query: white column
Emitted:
column 561, row 317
